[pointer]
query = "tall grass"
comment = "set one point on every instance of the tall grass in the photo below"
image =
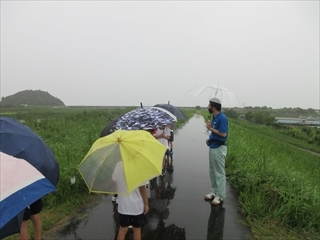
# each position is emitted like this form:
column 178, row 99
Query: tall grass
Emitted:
column 301, row 136
column 275, row 180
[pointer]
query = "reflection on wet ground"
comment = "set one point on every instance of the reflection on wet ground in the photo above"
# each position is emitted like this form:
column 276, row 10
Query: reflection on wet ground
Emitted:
column 177, row 209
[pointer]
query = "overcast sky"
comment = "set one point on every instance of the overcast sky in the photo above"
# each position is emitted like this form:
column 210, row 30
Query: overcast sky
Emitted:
column 126, row 52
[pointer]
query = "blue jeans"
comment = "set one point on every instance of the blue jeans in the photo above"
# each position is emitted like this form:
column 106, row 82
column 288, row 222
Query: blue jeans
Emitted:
column 217, row 158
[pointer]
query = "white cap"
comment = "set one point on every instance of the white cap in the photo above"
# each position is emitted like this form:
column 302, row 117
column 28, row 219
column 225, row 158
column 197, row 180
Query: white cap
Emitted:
column 215, row 100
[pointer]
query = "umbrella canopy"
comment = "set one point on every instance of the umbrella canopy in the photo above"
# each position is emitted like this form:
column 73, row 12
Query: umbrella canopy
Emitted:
column 108, row 128
column 227, row 97
column 144, row 118
column 139, row 152
column 13, row 226
column 173, row 109
column 21, row 142
column 21, row 185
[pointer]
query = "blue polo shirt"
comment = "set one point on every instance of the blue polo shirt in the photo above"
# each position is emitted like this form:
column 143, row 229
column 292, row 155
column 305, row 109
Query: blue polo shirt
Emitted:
column 219, row 122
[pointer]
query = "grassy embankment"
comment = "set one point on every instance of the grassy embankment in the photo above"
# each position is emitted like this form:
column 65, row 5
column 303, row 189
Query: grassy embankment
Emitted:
column 69, row 132
column 277, row 182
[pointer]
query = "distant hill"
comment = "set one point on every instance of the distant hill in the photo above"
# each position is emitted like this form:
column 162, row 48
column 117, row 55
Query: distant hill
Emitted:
column 31, row 98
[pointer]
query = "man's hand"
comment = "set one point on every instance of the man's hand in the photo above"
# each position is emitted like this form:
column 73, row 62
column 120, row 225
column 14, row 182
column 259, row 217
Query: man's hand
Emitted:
column 208, row 125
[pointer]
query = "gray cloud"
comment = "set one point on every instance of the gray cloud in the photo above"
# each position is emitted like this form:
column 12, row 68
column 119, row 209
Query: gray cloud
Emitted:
column 124, row 53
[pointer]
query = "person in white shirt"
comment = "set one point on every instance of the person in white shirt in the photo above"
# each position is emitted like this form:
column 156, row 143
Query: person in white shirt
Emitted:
column 132, row 208
column 170, row 142
column 163, row 136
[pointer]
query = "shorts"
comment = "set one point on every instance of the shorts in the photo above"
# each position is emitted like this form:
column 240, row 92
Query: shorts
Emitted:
column 33, row 209
column 167, row 153
column 136, row 221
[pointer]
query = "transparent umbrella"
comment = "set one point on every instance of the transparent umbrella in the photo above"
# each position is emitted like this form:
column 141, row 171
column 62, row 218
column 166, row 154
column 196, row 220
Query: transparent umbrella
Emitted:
column 227, row 97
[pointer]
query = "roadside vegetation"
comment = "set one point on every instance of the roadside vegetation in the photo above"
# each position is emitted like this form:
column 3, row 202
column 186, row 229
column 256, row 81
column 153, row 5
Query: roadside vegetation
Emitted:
column 306, row 137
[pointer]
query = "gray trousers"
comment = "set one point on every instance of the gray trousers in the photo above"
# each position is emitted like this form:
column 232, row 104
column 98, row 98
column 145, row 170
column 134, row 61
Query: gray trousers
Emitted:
column 217, row 158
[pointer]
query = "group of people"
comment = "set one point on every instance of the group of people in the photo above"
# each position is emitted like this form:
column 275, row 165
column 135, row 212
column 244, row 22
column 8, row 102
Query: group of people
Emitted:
column 138, row 200
column 133, row 208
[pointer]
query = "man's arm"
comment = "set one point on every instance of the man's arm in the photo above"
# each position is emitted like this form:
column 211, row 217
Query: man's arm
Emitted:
column 215, row 131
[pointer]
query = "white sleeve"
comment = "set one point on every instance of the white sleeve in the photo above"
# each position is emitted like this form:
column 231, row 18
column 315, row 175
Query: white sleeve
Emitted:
column 167, row 131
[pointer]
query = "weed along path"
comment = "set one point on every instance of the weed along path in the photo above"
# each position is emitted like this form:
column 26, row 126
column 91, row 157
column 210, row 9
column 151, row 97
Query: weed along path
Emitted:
column 177, row 207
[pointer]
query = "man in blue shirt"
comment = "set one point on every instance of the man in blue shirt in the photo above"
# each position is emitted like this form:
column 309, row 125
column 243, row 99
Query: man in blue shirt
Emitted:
column 218, row 152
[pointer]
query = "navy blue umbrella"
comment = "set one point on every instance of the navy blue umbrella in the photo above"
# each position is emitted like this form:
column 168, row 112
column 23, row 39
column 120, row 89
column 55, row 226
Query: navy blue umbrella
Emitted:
column 12, row 227
column 20, row 141
column 108, row 128
column 173, row 109
column 21, row 185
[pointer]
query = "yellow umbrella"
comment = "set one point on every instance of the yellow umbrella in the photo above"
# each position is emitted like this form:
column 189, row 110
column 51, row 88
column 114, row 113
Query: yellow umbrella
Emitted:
column 140, row 153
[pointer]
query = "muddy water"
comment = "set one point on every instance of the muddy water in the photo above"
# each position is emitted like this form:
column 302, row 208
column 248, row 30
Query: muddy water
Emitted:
column 177, row 208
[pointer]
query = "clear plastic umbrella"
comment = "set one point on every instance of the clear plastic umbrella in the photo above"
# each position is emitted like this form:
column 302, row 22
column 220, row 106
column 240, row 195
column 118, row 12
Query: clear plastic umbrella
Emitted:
column 227, row 97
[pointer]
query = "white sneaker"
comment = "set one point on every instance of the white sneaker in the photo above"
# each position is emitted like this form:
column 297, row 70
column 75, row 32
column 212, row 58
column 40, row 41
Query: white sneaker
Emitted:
column 209, row 196
column 217, row 201
column 114, row 199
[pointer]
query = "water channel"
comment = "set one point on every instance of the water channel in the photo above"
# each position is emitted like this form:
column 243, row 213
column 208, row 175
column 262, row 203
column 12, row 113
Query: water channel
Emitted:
column 177, row 208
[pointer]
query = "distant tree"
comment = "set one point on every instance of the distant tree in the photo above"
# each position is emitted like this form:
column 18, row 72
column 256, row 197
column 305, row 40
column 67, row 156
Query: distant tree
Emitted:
column 311, row 111
column 260, row 117
column 231, row 113
column 300, row 111
column 31, row 98
column 249, row 116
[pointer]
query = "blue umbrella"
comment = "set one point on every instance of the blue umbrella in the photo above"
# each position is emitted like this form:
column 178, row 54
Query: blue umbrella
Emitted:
column 18, row 192
column 108, row 128
column 21, row 142
column 173, row 109
column 13, row 226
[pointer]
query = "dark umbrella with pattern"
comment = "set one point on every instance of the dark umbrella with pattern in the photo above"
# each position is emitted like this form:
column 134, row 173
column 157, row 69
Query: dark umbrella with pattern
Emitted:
column 143, row 118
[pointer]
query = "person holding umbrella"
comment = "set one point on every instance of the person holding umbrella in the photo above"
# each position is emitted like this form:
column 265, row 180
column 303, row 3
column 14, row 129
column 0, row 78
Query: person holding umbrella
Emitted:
column 170, row 143
column 217, row 153
column 122, row 163
column 20, row 141
column 162, row 134
column 132, row 208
